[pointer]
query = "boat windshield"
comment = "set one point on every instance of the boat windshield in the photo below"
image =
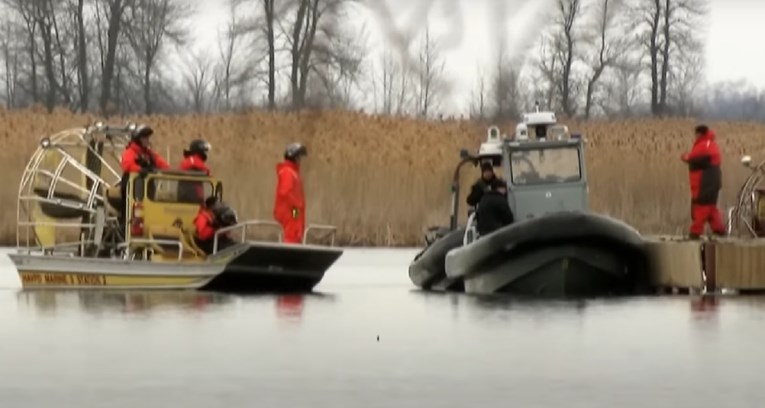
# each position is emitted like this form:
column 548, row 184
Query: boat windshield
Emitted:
column 545, row 166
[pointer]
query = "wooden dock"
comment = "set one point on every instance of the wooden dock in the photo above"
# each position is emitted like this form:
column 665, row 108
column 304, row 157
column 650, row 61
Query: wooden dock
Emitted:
column 681, row 265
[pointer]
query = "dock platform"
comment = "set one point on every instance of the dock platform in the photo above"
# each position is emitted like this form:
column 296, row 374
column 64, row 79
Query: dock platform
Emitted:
column 706, row 266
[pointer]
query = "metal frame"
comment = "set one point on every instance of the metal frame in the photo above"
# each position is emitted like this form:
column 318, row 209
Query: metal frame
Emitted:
column 741, row 214
column 112, row 138
column 263, row 223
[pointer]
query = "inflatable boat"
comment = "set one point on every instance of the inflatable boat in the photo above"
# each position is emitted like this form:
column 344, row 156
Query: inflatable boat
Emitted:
column 555, row 247
column 561, row 254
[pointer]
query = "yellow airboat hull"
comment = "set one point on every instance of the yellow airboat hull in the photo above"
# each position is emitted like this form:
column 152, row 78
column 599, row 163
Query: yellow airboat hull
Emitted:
column 245, row 267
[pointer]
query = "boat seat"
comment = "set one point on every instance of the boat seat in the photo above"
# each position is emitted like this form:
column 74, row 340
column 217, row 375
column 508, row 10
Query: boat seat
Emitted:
column 61, row 212
column 190, row 249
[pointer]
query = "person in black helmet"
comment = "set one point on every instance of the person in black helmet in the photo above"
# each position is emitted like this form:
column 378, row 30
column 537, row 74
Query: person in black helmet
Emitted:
column 482, row 184
column 138, row 157
column 493, row 210
column 289, row 201
column 195, row 157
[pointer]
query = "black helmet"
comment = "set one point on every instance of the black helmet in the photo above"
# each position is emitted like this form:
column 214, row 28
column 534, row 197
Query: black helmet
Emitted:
column 295, row 150
column 487, row 164
column 141, row 131
column 224, row 214
column 198, row 146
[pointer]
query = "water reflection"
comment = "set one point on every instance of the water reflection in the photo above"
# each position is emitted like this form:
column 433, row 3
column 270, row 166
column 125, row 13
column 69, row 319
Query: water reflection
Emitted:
column 705, row 305
column 97, row 302
column 288, row 307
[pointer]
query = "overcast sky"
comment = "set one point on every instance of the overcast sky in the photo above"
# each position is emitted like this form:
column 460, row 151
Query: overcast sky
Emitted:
column 734, row 50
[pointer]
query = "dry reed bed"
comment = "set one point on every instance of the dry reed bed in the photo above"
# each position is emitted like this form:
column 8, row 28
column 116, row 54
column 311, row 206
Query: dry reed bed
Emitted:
column 381, row 180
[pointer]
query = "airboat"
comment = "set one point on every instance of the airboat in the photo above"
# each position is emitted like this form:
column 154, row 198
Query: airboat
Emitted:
column 555, row 247
column 77, row 229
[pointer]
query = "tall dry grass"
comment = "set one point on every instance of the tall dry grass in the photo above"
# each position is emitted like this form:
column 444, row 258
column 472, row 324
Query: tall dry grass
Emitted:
column 381, row 180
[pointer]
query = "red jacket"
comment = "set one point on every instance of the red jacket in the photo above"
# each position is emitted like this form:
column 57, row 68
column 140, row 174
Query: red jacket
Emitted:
column 135, row 153
column 704, row 175
column 289, row 203
column 193, row 162
column 205, row 224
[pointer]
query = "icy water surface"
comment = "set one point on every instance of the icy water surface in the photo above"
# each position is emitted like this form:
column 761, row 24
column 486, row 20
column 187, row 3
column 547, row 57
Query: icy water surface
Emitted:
column 90, row 349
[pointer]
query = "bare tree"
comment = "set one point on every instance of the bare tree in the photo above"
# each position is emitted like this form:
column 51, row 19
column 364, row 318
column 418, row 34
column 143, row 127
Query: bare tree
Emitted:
column 394, row 87
column 109, row 17
column 478, row 97
column 269, row 29
column 83, row 67
column 623, row 88
column 565, row 43
column 152, row 22
column 430, row 81
column 505, row 89
column 234, row 72
column 197, row 81
column 669, row 26
column 604, row 51
column 314, row 29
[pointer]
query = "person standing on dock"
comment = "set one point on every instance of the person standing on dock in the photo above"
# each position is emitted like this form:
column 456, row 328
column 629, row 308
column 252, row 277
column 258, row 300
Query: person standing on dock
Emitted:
column 289, row 203
column 705, row 179
column 483, row 184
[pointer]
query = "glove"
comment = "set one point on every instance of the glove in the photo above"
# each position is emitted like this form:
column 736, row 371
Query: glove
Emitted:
column 141, row 161
column 294, row 213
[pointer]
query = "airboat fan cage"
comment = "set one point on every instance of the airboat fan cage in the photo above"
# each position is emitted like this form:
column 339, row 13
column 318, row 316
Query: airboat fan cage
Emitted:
column 745, row 218
column 63, row 193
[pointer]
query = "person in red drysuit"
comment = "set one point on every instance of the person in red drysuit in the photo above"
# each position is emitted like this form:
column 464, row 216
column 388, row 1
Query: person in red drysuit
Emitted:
column 138, row 157
column 194, row 159
column 705, row 179
column 205, row 225
column 289, row 203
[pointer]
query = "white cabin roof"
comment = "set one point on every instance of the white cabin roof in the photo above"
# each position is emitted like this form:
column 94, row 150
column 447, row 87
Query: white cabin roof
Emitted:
column 539, row 118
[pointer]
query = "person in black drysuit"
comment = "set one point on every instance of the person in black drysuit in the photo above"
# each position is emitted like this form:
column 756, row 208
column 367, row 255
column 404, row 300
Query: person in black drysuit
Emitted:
column 482, row 184
column 493, row 211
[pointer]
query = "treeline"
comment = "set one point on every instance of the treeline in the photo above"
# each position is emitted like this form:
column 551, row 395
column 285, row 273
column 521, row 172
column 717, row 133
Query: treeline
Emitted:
column 592, row 58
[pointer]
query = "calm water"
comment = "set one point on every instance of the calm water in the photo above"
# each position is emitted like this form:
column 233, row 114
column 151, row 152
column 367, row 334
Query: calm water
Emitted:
column 71, row 349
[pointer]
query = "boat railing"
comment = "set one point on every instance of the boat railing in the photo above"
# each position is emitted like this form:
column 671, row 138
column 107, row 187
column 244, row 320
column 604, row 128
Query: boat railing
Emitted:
column 147, row 249
column 243, row 227
column 49, row 250
column 471, row 233
column 319, row 227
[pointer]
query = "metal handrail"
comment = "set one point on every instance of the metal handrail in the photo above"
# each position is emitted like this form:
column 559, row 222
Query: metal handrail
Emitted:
column 177, row 243
column 74, row 244
column 470, row 230
column 243, row 225
column 331, row 228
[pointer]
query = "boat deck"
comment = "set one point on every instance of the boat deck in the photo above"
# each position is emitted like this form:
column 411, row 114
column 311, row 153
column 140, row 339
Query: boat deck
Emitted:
column 729, row 264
